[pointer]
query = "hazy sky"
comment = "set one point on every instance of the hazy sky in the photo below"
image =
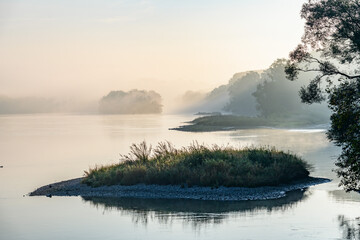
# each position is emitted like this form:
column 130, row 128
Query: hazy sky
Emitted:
column 89, row 47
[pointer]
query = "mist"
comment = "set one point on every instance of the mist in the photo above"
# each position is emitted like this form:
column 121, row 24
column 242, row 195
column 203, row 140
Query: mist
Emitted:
column 69, row 61
column 263, row 93
column 31, row 104
column 61, row 50
column 132, row 102
column 232, row 97
column 192, row 102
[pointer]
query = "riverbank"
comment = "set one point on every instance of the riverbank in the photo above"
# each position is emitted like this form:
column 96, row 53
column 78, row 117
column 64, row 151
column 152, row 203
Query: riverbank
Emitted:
column 74, row 187
column 232, row 122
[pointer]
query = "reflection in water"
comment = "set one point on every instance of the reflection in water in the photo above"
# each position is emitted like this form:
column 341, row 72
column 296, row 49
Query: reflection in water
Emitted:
column 58, row 147
column 297, row 141
column 342, row 196
column 350, row 228
column 195, row 212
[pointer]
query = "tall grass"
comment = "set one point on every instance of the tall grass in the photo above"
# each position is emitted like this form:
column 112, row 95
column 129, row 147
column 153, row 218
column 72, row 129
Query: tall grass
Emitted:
column 200, row 165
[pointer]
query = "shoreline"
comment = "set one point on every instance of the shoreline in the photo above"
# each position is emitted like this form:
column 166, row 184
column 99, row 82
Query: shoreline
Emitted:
column 214, row 123
column 74, row 187
column 206, row 128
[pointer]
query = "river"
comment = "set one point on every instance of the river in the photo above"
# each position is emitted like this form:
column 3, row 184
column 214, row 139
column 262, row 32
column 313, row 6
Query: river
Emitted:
column 39, row 149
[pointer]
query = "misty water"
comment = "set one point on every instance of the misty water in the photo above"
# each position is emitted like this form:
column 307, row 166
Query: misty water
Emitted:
column 39, row 149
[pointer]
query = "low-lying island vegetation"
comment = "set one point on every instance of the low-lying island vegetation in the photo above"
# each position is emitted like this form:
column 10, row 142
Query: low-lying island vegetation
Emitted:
column 234, row 122
column 196, row 172
column 199, row 165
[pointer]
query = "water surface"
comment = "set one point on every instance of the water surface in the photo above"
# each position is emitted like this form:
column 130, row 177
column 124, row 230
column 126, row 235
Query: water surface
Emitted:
column 38, row 149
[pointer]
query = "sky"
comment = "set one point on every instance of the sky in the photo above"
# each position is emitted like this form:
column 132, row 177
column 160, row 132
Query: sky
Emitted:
column 86, row 48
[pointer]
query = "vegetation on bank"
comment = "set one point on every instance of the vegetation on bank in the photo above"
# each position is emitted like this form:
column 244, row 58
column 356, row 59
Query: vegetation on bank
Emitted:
column 332, row 31
column 201, row 166
column 232, row 122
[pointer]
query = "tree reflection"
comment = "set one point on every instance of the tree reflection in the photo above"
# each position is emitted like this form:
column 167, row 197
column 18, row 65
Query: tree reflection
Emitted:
column 194, row 212
column 350, row 228
column 342, row 196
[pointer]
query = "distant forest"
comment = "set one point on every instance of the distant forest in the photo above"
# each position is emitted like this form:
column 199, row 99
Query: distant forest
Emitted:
column 132, row 102
column 116, row 102
column 267, row 94
column 27, row 105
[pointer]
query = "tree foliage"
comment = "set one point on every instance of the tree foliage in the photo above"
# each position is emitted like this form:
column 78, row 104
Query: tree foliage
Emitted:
column 132, row 102
column 275, row 95
column 241, row 101
column 277, row 98
column 331, row 48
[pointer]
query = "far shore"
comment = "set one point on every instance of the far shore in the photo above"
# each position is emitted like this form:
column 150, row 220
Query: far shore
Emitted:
column 213, row 123
column 74, row 187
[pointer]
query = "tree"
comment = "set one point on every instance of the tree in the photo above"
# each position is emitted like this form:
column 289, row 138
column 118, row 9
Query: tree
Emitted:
column 275, row 95
column 277, row 98
column 132, row 102
column 331, row 48
column 241, row 101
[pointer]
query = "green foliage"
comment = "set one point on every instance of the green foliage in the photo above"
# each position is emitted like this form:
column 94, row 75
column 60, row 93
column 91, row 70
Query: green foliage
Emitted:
column 203, row 166
column 345, row 103
column 332, row 29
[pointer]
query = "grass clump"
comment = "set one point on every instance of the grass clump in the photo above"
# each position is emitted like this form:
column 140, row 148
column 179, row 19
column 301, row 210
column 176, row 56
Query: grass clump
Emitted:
column 200, row 165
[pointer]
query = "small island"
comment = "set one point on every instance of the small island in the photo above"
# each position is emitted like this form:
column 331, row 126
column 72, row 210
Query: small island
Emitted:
column 193, row 172
column 234, row 122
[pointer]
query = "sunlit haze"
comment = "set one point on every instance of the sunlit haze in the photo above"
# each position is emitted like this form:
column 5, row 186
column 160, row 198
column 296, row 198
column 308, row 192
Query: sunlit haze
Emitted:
column 179, row 119
column 84, row 49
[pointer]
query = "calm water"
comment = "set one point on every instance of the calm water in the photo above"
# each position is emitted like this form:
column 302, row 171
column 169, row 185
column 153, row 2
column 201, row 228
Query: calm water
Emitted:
column 38, row 149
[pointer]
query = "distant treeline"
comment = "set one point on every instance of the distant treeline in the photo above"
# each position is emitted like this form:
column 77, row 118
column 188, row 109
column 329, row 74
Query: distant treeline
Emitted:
column 266, row 94
column 27, row 105
column 132, row 102
column 116, row 102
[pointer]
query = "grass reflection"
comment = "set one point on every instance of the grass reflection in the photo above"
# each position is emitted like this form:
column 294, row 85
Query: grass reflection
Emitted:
column 350, row 228
column 194, row 212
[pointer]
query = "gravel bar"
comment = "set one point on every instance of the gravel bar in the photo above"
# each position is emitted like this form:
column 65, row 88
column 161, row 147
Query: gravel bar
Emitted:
column 74, row 187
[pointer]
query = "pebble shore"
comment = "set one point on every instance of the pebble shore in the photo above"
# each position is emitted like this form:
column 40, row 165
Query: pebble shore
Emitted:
column 74, row 187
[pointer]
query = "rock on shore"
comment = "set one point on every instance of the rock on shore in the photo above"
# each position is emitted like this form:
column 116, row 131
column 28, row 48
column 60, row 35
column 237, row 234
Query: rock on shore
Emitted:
column 74, row 187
